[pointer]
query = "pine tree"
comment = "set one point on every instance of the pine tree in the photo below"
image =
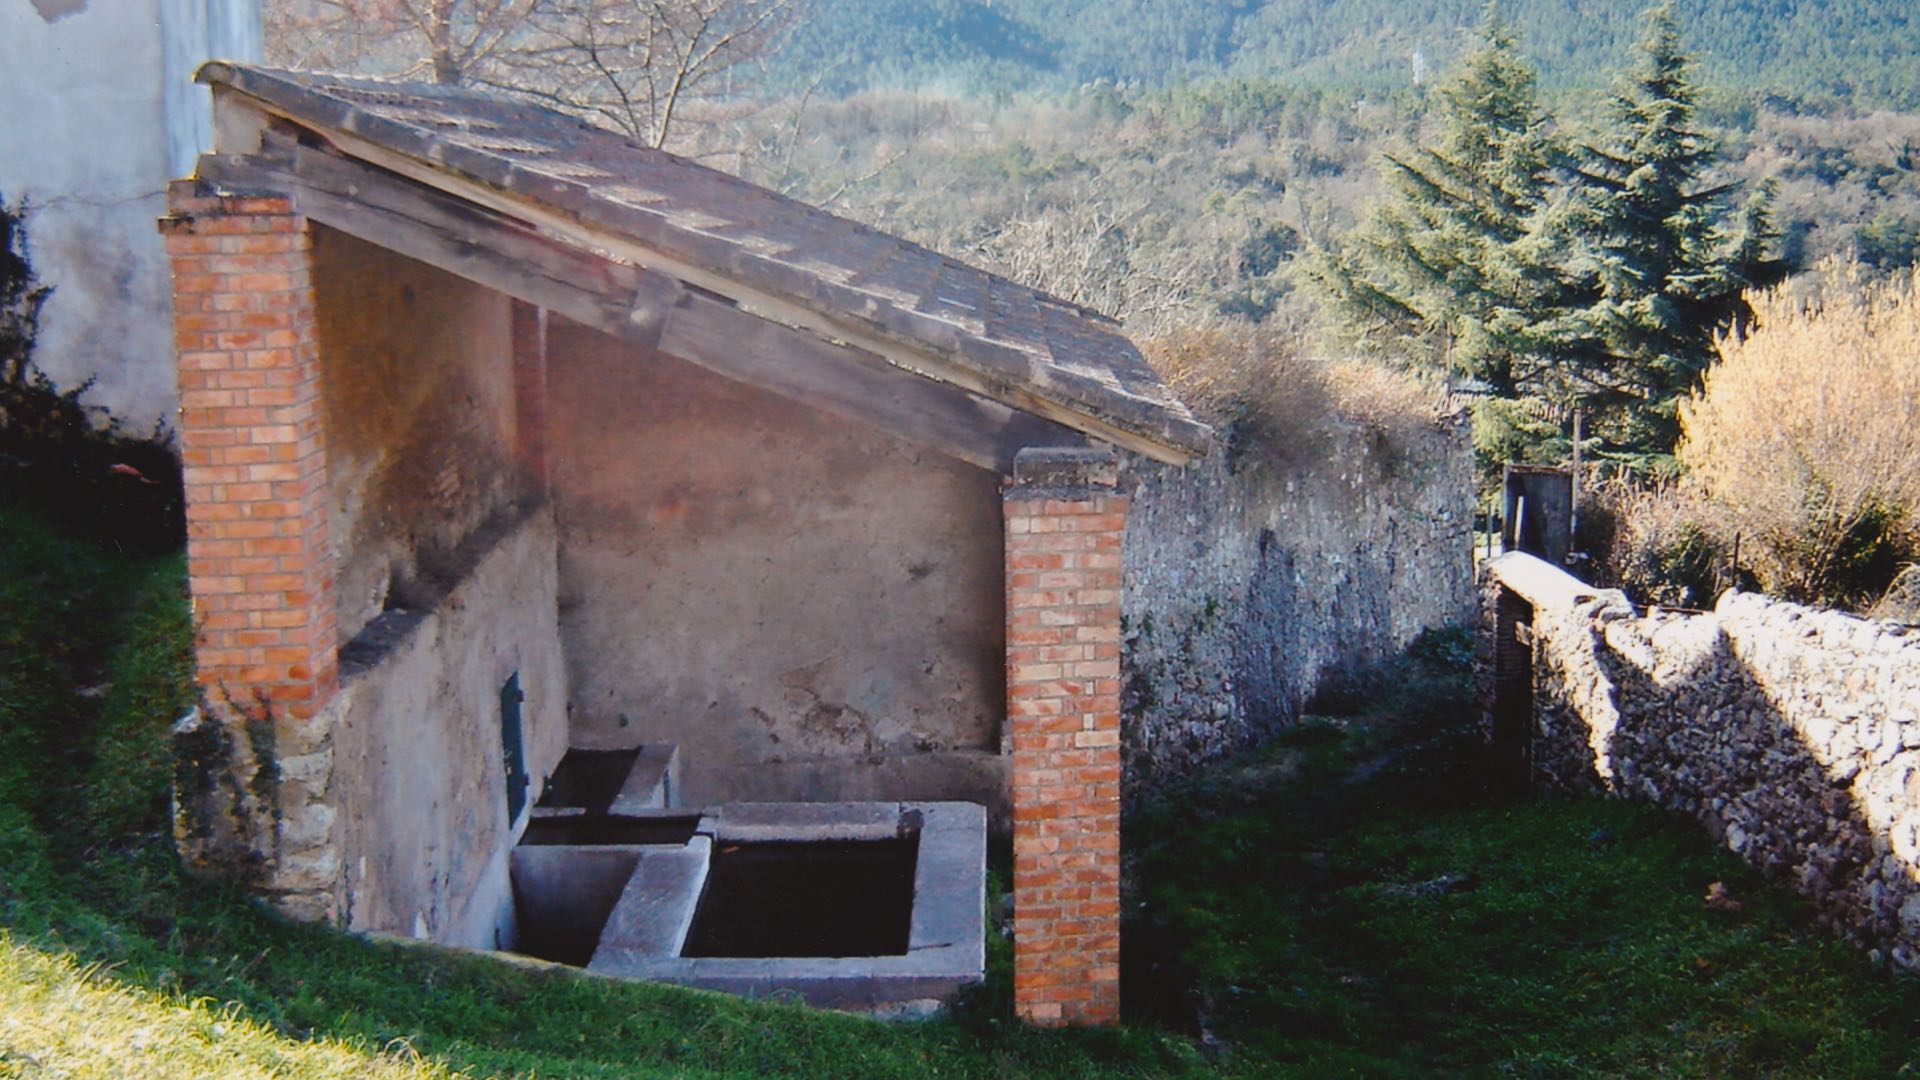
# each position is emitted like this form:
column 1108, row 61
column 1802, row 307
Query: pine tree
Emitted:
column 1658, row 252
column 1442, row 267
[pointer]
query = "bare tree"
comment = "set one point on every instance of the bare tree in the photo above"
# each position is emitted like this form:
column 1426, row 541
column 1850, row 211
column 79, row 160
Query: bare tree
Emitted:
column 447, row 40
column 642, row 66
column 1088, row 250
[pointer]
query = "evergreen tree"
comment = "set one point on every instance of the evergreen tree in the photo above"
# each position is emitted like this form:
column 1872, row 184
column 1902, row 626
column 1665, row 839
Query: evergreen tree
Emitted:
column 1656, row 248
column 1443, row 265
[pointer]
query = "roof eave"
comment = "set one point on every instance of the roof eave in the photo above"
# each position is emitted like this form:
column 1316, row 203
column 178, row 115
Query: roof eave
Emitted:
column 1163, row 434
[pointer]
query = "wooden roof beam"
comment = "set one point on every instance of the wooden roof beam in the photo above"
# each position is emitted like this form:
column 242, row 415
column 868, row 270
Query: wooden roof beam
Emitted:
column 652, row 309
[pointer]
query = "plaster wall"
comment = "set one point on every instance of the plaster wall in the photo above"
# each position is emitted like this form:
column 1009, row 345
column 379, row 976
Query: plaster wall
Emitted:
column 1252, row 574
column 417, row 373
column 1791, row 734
column 103, row 112
column 418, row 776
column 809, row 608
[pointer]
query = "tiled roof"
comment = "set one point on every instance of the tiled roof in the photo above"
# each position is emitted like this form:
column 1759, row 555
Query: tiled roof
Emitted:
column 1013, row 340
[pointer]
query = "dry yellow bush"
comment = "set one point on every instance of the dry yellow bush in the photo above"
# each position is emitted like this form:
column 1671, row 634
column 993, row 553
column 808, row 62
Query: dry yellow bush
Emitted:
column 1263, row 381
column 1805, row 438
column 1232, row 372
column 1650, row 541
column 1390, row 400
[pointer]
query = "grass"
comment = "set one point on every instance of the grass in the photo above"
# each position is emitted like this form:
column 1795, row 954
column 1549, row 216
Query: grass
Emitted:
column 1352, row 903
column 60, row 1018
column 1341, row 903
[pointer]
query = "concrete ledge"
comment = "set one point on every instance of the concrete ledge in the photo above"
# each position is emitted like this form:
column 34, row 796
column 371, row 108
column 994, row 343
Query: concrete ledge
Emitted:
column 962, row 774
column 734, row 823
column 1065, row 469
column 1543, row 584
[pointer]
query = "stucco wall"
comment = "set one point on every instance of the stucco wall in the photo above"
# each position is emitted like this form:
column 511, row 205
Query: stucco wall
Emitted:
column 808, row 608
column 102, row 112
column 1792, row 735
column 417, row 373
column 418, row 786
column 1252, row 574
column 446, row 585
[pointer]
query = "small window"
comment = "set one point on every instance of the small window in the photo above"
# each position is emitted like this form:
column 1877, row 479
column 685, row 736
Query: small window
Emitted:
column 513, row 748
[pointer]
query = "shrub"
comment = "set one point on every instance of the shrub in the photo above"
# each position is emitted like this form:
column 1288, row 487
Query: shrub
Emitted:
column 1261, row 385
column 1902, row 600
column 62, row 454
column 1649, row 540
column 1805, row 440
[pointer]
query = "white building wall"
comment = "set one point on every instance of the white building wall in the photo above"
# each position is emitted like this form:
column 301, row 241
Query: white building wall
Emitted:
column 101, row 113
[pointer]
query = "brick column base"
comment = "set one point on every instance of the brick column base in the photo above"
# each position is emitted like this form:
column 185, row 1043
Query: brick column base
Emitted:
column 259, row 562
column 1065, row 520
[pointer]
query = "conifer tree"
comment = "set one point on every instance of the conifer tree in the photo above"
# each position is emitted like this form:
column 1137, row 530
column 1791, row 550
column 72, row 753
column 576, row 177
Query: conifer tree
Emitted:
column 1656, row 247
column 1442, row 267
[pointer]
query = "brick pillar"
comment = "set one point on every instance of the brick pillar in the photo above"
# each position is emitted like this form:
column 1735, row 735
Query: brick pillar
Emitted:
column 258, row 556
column 1064, row 521
column 254, row 763
column 530, row 394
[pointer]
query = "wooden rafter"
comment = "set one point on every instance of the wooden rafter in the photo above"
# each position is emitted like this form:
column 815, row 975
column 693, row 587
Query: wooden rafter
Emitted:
column 657, row 310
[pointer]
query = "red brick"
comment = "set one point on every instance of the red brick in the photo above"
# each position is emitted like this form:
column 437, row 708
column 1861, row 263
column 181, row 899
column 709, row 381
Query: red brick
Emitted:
column 260, row 564
column 1063, row 638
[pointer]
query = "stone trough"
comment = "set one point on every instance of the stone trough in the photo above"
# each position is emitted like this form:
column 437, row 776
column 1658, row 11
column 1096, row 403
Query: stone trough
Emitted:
column 868, row 905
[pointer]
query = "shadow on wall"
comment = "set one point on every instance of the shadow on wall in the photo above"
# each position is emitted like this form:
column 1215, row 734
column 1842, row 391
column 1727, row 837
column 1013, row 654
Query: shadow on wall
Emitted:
column 1251, row 579
column 1781, row 729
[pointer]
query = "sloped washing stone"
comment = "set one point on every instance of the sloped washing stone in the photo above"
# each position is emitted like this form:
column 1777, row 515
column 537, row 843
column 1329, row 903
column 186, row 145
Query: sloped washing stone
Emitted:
column 653, row 783
column 655, row 911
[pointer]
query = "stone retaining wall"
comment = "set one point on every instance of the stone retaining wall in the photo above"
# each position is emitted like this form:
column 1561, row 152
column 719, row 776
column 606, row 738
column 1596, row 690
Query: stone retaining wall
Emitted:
column 1252, row 574
column 1792, row 734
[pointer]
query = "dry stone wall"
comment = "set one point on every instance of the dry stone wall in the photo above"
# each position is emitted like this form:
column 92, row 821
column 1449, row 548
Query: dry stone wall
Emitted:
column 1254, row 573
column 1792, row 734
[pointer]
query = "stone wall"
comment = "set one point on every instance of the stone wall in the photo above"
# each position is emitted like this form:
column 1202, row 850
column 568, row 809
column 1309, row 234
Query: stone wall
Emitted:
column 1792, row 734
column 1254, row 573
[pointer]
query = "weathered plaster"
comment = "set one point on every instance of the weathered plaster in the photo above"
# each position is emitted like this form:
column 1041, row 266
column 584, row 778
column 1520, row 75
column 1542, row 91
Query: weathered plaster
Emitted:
column 808, row 608
column 417, row 777
column 103, row 113
column 417, row 372
column 446, row 585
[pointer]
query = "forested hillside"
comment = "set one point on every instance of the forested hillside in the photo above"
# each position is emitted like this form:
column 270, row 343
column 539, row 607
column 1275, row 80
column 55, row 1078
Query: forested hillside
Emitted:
column 1554, row 207
column 1865, row 52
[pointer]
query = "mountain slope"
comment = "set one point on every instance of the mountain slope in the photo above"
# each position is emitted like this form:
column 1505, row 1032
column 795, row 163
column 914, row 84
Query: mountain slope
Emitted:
column 1863, row 51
